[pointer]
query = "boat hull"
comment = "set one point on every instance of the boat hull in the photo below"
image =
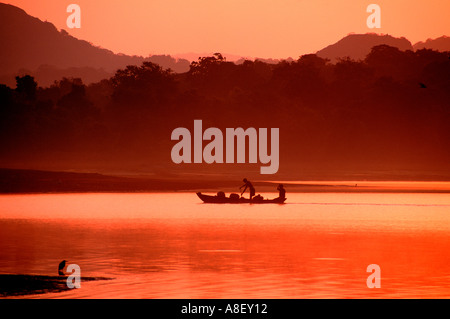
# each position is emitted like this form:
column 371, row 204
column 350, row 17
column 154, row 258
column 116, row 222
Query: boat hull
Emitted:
column 225, row 200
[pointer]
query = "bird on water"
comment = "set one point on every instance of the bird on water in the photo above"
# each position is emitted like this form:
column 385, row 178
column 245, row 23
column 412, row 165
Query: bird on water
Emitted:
column 61, row 266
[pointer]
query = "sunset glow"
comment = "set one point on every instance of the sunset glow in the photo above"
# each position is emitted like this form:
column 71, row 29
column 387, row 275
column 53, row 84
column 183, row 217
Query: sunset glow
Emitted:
column 266, row 29
column 213, row 151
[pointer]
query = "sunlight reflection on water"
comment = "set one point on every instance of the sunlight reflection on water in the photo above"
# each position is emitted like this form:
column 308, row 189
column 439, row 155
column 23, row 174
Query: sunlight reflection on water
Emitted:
column 173, row 246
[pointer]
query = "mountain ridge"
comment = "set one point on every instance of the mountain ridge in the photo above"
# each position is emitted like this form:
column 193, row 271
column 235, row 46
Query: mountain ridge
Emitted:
column 357, row 46
column 30, row 43
column 439, row 44
column 36, row 47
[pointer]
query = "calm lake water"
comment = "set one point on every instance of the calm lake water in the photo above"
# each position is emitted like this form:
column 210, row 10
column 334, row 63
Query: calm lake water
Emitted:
column 174, row 246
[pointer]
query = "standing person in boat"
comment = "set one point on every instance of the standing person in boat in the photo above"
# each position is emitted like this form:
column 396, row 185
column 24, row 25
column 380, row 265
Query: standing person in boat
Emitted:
column 249, row 186
column 281, row 191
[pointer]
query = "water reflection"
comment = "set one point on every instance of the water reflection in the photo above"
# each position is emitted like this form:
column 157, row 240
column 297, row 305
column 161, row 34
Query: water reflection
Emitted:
column 170, row 246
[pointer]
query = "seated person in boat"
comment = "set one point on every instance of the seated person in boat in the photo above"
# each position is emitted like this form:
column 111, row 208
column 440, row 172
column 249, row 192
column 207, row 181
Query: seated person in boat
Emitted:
column 281, row 191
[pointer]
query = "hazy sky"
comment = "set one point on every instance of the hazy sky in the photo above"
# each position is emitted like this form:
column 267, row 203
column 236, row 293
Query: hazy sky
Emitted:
column 253, row 28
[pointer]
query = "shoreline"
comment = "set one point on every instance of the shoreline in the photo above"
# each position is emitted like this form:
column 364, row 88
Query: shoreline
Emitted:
column 296, row 190
column 21, row 285
column 14, row 181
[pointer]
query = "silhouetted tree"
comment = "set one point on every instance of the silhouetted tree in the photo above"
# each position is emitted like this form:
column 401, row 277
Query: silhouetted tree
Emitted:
column 304, row 79
column 26, row 87
column 75, row 102
column 204, row 65
column 343, row 114
column 148, row 83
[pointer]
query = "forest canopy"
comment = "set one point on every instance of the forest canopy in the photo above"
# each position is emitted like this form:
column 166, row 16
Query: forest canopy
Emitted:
column 390, row 111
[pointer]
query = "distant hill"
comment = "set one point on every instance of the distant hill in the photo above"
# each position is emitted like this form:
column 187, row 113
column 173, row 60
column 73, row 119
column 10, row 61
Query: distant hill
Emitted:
column 46, row 75
column 31, row 46
column 193, row 56
column 357, row 46
column 439, row 44
column 28, row 43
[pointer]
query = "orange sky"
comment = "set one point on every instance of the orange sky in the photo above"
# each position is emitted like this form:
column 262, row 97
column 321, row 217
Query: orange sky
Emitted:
column 253, row 28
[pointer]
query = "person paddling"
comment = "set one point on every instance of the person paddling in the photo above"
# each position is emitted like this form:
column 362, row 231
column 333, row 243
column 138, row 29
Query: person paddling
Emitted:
column 249, row 186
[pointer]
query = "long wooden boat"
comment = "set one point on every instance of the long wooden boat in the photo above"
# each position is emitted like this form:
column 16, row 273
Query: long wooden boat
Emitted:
column 227, row 200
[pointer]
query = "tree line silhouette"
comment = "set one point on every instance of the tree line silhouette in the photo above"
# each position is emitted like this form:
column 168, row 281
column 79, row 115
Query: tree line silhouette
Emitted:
column 389, row 111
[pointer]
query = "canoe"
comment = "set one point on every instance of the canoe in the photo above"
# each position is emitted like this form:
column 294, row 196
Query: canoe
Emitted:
column 226, row 200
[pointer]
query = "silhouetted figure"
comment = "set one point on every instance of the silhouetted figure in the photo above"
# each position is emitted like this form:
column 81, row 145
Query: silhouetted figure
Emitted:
column 61, row 266
column 281, row 191
column 248, row 185
column 422, row 85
